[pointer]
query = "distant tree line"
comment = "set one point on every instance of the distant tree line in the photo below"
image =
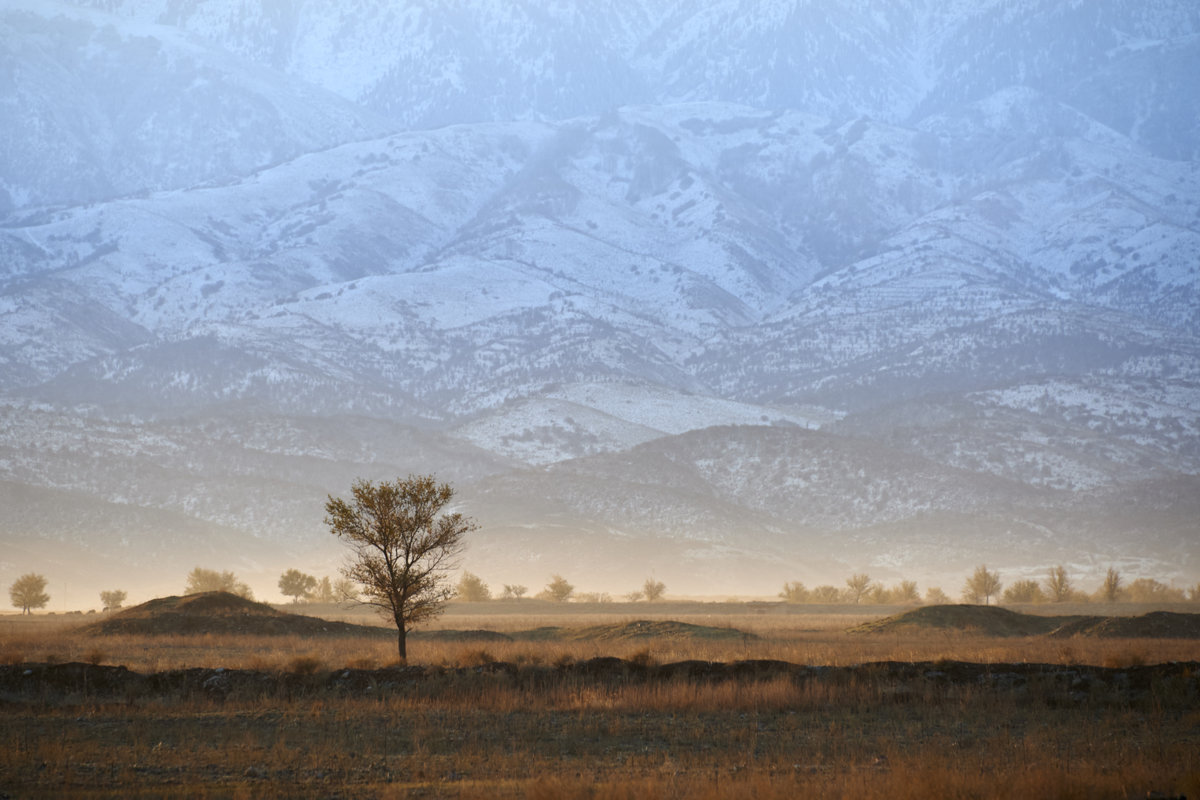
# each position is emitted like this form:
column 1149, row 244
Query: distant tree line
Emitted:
column 984, row 587
column 858, row 589
column 305, row 588
column 472, row 589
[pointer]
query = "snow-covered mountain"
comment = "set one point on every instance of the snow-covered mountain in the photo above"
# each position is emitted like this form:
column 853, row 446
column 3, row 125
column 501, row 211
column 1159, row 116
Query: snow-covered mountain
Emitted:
column 761, row 290
column 96, row 107
column 427, row 64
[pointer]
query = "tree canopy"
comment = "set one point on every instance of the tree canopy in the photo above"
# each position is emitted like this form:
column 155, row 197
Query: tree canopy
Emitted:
column 29, row 592
column 209, row 580
column 472, row 589
column 297, row 585
column 404, row 546
column 558, row 590
column 981, row 586
column 112, row 600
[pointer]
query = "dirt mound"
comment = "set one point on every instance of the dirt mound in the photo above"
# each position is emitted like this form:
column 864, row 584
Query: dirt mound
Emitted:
column 450, row 635
column 1155, row 625
column 217, row 613
column 654, row 629
column 993, row 621
column 986, row 620
column 621, row 631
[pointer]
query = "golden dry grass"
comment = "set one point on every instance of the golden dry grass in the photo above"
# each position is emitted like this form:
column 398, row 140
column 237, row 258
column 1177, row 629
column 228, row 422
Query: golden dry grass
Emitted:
column 677, row 740
column 815, row 639
column 468, row 734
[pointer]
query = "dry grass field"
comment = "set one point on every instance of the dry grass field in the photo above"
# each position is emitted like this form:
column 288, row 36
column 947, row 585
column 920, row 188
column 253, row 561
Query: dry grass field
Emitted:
column 625, row 711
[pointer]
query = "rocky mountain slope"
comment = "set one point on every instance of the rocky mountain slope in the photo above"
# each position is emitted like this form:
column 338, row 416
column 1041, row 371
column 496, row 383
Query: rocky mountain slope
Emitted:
column 700, row 292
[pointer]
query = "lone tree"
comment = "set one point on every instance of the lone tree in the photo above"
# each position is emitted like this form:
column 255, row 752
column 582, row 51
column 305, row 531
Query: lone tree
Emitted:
column 113, row 600
column 297, row 585
column 29, row 592
column 982, row 585
column 858, row 585
column 1111, row 589
column 404, row 546
column 1058, row 585
column 906, row 592
column 557, row 590
column 653, row 590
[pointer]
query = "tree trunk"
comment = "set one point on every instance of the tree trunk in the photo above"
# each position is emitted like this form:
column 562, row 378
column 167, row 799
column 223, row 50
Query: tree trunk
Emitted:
column 402, row 636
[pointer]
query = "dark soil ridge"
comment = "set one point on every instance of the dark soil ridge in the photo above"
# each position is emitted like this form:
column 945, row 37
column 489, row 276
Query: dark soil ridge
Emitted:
column 996, row 621
column 896, row 681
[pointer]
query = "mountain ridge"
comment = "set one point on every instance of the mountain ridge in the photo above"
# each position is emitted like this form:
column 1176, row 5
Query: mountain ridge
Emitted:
column 978, row 289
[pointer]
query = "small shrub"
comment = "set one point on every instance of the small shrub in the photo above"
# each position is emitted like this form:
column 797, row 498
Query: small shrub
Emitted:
column 94, row 656
column 529, row 659
column 262, row 664
column 476, row 658
column 1125, row 659
column 643, row 658
column 304, row 665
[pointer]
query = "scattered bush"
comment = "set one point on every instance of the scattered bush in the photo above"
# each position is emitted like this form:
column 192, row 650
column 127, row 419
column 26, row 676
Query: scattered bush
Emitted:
column 472, row 589
column 1024, row 591
column 304, row 665
column 1148, row 590
column 934, row 596
column 209, row 580
column 476, row 658
column 794, row 592
column 557, row 590
column 653, row 590
column 112, row 600
column 826, row 594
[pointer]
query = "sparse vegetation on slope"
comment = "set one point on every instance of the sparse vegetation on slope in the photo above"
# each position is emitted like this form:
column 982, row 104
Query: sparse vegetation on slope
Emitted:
column 219, row 613
column 991, row 621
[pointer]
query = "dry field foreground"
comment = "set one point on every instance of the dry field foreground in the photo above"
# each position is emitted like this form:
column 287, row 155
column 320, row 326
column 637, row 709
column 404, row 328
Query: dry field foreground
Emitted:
column 788, row 706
